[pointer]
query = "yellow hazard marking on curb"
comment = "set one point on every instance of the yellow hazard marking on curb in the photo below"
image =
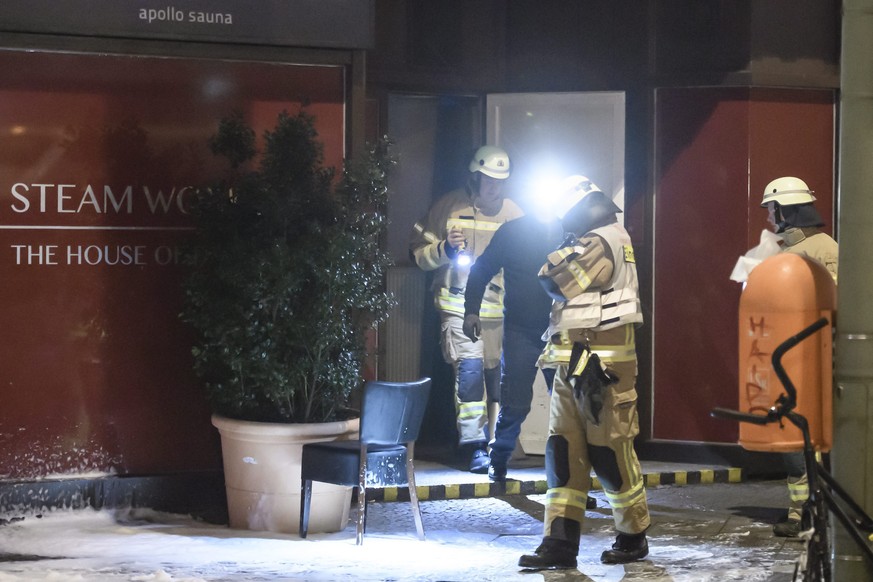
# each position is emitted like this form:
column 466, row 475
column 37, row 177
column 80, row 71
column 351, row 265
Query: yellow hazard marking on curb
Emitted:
column 514, row 487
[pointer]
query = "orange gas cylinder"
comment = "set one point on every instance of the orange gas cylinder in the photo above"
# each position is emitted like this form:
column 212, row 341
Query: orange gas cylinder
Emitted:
column 783, row 295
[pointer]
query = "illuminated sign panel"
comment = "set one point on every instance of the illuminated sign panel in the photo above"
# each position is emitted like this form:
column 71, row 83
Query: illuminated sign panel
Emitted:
column 304, row 23
column 99, row 156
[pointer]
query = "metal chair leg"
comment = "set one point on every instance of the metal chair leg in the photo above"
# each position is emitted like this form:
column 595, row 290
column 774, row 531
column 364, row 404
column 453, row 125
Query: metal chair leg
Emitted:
column 305, row 499
column 413, row 493
column 362, row 497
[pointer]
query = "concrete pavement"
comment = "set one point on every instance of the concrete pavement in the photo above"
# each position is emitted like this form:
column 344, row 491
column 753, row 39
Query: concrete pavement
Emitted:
column 700, row 532
column 708, row 523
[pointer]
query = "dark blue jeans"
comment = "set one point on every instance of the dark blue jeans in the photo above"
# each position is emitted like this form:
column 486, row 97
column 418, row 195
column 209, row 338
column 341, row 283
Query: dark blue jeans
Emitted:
column 521, row 349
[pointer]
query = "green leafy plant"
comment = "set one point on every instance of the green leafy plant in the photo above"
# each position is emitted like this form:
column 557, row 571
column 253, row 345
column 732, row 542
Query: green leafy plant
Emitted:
column 285, row 274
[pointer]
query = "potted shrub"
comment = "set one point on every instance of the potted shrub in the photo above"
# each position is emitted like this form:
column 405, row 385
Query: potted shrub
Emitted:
column 285, row 278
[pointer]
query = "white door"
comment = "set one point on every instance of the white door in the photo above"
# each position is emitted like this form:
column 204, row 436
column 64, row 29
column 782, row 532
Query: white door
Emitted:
column 549, row 136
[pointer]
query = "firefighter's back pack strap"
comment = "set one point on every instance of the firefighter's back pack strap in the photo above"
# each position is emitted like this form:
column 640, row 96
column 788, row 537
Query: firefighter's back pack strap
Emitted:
column 588, row 376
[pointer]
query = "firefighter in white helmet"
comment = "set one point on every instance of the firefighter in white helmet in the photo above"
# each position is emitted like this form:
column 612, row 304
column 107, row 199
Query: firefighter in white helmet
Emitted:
column 791, row 213
column 455, row 231
column 593, row 419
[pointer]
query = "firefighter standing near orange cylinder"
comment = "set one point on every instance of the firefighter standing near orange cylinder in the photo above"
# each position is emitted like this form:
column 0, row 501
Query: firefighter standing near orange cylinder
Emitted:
column 456, row 230
column 593, row 409
column 792, row 215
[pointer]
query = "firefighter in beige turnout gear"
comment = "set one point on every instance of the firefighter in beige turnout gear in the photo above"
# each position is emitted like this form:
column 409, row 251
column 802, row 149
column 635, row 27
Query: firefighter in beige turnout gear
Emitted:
column 791, row 213
column 455, row 231
column 593, row 415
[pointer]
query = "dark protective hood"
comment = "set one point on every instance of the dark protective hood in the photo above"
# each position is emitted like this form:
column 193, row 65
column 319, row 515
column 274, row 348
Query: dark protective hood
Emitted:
column 799, row 215
column 595, row 210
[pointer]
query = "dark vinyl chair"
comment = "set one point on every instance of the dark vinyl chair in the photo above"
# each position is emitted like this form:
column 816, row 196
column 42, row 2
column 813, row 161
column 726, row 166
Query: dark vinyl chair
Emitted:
column 391, row 417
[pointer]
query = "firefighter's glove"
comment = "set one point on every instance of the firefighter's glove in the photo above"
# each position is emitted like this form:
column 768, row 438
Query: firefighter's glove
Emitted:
column 589, row 378
column 560, row 276
column 570, row 240
column 454, row 243
column 472, row 327
column 551, row 288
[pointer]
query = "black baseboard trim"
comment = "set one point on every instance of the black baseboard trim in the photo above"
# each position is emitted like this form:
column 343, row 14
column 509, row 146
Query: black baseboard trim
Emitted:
column 200, row 495
column 754, row 464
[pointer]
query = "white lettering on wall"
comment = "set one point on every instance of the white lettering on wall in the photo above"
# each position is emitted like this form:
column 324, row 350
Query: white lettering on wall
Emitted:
column 173, row 14
column 92, row 255
column 165, row 201
column 105, row 255
column 210, row 17
column 36, row 254
column 109, row 198
column 72, row 199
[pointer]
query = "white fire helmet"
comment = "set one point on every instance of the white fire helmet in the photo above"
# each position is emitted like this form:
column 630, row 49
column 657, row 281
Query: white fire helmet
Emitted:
column 491, row 161
column 573, row 190
column 787, row 191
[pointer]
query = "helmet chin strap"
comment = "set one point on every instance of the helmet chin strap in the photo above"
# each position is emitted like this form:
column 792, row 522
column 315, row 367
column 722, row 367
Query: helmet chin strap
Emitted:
column 781, row 224
column 473, row 186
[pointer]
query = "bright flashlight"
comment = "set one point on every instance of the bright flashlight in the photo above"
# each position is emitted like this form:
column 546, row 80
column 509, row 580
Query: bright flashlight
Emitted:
column 463, row 258
column 545, row 197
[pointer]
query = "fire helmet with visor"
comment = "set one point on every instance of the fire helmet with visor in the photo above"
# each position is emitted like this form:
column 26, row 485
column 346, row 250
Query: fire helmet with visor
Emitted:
column 576, row 188
column 582, row 205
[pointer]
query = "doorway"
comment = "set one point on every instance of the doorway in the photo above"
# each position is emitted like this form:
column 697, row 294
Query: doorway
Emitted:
column 548, row 136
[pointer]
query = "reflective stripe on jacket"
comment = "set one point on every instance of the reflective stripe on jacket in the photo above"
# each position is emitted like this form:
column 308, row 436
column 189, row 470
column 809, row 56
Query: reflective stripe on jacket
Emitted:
column 560, row 347
column 574, row 269
column 455, row 210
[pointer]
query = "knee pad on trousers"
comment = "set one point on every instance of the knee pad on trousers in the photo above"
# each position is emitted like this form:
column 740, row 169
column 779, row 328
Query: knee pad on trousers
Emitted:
column 606, row 466
column 492, row 383
column 558, row 471
column 471, row 381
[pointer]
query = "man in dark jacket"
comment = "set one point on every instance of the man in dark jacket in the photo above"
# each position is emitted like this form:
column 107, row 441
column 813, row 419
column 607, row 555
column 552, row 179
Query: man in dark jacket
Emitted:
column 519, row 247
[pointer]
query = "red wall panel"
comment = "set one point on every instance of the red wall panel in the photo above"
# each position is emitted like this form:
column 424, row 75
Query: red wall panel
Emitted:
column 97, row 153
column 700, row 229
column 793, row 134
column 715, row 150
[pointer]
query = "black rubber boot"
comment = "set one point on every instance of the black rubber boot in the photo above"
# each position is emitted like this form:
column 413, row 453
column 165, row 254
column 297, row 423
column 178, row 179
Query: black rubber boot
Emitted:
column 627, row 548
column 479, row 460
column 790, row 528
column 551, row 555
column 497, row 473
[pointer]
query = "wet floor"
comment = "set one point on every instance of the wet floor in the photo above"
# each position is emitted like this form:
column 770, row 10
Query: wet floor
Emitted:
column 716, row 531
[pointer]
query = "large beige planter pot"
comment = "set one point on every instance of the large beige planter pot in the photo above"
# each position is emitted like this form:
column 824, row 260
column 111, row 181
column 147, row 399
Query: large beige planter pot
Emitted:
column 262, row 475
